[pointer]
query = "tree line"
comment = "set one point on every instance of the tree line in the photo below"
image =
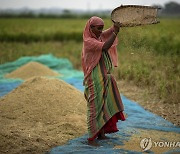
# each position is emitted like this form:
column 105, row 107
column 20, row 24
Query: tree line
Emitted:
column 169, row 9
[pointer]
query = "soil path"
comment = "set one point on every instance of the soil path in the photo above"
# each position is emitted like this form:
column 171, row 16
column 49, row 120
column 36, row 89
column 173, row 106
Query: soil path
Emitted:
column 150, row 101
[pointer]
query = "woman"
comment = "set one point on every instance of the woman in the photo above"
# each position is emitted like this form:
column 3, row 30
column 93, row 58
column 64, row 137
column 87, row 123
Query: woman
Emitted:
column 99, row 55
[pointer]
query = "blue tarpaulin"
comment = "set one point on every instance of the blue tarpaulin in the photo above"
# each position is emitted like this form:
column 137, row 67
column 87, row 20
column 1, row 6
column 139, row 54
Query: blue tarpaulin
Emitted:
column 61, row 65
column 138, row 118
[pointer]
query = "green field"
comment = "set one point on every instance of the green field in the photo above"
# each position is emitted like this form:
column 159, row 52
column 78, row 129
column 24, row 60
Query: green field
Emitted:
column 148, row 55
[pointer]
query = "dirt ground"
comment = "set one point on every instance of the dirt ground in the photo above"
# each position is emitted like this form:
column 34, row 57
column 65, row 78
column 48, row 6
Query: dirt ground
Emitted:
column 150, row 101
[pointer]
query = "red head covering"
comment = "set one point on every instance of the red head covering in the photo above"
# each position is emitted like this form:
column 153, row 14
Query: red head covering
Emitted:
column 92, row 46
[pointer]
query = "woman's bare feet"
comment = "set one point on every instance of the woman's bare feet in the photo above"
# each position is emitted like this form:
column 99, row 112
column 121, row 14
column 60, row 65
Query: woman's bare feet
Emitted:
column 102, row 137
column 93, row 143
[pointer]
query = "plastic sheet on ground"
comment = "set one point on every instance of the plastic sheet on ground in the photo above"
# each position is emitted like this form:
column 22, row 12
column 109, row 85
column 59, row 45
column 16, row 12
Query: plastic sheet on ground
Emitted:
column 138, row 119
column 60, row 65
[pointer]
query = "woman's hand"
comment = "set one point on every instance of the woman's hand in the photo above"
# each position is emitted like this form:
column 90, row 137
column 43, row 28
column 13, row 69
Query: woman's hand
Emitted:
column 117, row 26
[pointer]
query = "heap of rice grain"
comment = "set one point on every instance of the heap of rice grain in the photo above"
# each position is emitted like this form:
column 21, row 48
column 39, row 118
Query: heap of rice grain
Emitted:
column 40, row 114
column 31, row 69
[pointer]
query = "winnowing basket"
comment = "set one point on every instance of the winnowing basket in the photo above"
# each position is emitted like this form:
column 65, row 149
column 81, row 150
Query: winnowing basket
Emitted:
column 135, row 15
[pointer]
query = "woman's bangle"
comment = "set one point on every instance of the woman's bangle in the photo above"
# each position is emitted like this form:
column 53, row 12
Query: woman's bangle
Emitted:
column 114, row 33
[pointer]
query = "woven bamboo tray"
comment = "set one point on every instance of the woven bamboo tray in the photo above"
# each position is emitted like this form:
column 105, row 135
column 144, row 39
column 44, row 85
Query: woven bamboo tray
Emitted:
column 135, row 15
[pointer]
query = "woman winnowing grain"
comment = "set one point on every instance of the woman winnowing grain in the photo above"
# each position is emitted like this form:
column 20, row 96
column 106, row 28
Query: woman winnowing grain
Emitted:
column 99, row 56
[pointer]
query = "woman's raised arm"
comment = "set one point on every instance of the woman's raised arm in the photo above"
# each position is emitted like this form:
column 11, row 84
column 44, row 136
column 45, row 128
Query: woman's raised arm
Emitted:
column 111, row 39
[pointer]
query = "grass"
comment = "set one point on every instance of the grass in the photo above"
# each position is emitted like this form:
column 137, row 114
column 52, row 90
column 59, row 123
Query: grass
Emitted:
column 160, row 74
column 34, row 30
column 10, row 51
column 148, row 55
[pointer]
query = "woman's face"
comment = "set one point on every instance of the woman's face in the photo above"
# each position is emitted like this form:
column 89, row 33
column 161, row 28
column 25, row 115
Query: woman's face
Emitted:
column 97, row 30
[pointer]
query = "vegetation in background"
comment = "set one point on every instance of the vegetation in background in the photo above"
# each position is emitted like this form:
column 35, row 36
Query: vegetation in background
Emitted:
column 148, row 55
column 169, row 9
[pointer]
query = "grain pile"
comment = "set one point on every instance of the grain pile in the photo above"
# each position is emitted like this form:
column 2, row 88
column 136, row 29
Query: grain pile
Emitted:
column 31, row 69
column 40, row 114
column 158, row 139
